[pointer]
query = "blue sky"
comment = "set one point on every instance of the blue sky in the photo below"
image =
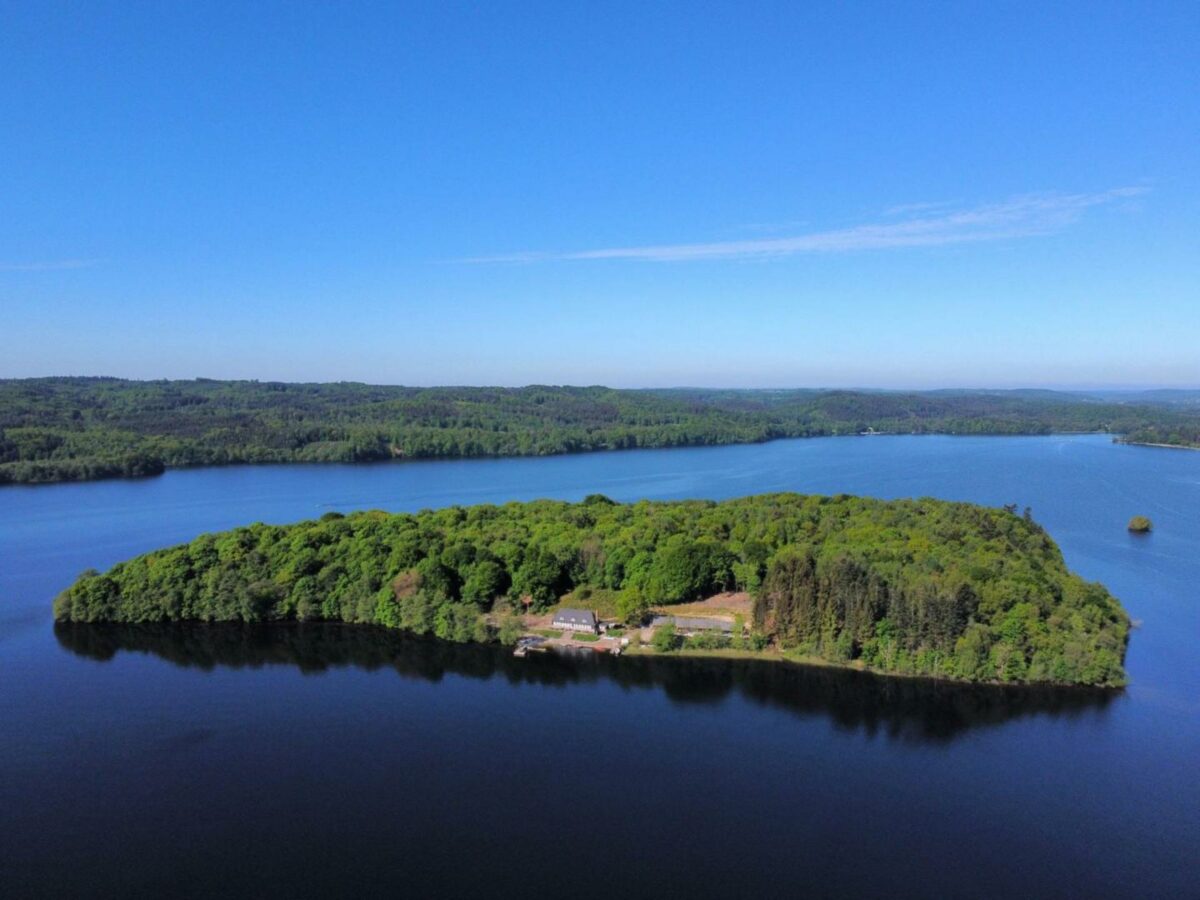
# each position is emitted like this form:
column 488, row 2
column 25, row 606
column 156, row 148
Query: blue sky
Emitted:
column 742, row 194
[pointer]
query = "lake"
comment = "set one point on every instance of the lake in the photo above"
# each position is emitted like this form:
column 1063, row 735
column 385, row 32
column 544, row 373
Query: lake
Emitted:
column 310, row 760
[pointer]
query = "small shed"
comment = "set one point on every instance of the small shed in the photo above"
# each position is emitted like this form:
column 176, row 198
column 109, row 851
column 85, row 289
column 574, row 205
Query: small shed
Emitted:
column 575, row 620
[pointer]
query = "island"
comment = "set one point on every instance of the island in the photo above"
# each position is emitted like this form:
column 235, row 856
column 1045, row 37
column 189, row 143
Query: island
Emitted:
column 78, row 429
column 1140, row 525
column 918, row 587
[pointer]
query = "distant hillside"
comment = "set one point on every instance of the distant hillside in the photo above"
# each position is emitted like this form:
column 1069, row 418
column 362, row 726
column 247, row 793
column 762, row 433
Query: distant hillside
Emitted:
column 64, row 429
column 1176, row 397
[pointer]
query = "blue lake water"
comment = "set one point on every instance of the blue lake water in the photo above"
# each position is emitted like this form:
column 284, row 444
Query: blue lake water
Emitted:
column 305, row 761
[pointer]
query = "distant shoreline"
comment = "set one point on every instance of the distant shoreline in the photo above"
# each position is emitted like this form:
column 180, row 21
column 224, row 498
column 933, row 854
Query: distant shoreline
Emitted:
column 79, row 429
column 1116, row 439
column 1163, row 446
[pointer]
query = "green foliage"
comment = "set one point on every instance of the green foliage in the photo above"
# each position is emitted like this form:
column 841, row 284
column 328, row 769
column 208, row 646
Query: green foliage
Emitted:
column 486, row 580
column 665, row 639
column 708, row 640
column 684, row 570
column 632, row 606
column 73, row 429
column 1177, row 431
column 982, row 595
column 915, row 586
column 510, row 630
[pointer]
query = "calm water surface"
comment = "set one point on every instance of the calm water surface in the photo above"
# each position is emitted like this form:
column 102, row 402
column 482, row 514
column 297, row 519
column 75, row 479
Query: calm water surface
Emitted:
column 304, row 761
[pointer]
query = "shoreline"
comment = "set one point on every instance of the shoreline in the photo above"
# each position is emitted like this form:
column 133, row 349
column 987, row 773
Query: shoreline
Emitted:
column 167, row 469
column 1160, row 445
column 728, row 654
column 642, row 651
column 816, row 662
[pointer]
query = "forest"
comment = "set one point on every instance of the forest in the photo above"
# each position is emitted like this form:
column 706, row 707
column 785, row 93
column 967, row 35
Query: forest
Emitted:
column 1166, row 434
column 74, row 429
column 921, row 587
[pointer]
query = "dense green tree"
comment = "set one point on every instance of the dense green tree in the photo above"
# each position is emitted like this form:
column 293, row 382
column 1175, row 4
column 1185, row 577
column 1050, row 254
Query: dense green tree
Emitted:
column 486, row 580
column 510, row 630
column 682, row 570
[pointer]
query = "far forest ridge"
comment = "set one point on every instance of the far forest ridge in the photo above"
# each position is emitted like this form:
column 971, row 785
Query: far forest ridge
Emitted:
column 75, row 429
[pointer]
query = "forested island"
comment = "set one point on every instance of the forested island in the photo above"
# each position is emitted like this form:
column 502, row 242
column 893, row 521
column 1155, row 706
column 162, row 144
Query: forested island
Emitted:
column 71, row 429
column 920, row 587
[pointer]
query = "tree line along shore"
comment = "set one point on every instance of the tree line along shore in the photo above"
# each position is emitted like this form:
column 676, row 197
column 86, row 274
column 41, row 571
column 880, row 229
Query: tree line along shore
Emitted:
column 918, row 587
column 75, row 429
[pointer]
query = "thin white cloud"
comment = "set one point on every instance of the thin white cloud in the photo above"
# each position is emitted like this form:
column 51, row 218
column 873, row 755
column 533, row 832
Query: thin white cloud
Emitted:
column 1029, row 215
column 768, row 227
column 925, row 209
column 54, row 265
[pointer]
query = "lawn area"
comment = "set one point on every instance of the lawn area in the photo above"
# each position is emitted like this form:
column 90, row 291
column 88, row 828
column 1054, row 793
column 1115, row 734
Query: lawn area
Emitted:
column 601, row 601
column 547, row 633
column 584, row 636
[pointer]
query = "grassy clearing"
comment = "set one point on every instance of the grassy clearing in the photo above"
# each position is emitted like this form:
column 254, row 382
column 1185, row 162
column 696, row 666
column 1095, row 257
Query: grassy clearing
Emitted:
column 725, row 606
column 694, row 610
column 601, row 601
column 547, row 633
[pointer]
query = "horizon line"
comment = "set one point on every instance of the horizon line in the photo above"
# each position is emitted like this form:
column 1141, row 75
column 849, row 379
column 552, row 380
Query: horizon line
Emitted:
column 857, row 388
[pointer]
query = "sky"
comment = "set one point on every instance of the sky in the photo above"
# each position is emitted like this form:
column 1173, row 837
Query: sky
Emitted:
column 891, row 195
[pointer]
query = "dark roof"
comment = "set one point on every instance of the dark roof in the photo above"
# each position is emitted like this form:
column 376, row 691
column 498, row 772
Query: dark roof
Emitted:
column 576, row 617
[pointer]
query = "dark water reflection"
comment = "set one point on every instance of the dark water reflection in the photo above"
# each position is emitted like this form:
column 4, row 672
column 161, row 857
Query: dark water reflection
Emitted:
column 905, row 709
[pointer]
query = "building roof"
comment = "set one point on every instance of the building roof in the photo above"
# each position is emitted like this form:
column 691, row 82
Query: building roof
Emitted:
column 576, row 617
column 694, row 623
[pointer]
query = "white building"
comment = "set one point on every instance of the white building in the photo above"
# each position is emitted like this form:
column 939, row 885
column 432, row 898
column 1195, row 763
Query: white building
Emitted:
column 575, row 620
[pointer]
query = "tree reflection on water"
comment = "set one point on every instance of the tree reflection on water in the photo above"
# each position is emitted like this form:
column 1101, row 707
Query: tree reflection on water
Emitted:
column 907, row 709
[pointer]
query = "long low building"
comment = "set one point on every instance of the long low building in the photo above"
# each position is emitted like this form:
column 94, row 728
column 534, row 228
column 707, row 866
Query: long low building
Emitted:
column 575, row 620
column 695, row 623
